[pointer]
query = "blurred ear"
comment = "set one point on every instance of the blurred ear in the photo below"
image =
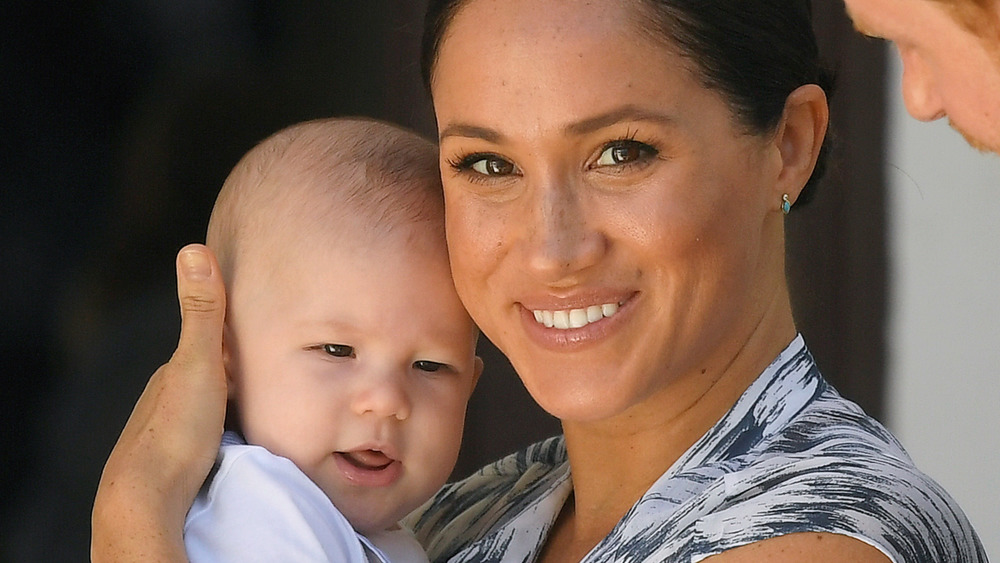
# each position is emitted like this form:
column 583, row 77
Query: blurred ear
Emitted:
column 228, row 360
column 229, row 364
column 799, row 138
column 477, row 370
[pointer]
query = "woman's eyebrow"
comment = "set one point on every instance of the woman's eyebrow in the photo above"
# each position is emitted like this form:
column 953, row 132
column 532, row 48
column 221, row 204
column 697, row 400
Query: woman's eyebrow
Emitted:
column 588, row 125
column 473, row 131
column 617, row 115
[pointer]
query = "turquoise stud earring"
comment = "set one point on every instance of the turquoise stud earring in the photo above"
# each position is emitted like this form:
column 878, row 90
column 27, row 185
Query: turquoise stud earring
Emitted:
column 786, row 205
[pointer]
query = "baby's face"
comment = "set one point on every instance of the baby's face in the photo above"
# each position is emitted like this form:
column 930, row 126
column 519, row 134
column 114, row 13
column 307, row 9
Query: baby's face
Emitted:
column 356, row 362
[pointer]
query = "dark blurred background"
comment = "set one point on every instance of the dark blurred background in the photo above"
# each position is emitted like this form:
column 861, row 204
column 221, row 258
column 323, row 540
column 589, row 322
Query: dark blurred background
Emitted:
column 120, row 120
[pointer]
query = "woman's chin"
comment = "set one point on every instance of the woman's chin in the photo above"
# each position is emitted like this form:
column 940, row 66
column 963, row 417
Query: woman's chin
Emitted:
column 578, row 395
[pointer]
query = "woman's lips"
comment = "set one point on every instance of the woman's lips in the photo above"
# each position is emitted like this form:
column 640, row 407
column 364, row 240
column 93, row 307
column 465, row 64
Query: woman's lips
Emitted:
column 368, row 467
column 558, row 325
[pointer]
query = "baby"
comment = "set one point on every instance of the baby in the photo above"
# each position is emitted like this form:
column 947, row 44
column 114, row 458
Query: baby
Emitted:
column 349, row 355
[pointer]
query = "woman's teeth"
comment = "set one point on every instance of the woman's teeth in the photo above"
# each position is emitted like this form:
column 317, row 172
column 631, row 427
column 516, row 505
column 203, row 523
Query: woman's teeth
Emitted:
column 575, row 318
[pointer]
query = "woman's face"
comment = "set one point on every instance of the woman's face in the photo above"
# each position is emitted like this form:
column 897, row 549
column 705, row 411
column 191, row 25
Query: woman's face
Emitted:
column 611, row 227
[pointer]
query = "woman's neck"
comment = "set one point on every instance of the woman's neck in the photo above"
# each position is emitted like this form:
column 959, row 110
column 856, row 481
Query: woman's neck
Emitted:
column 615, row 461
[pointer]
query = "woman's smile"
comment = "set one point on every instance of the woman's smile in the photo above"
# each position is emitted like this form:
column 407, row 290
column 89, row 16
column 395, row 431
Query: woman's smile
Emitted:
column 574, row 318
column 566, row 328
column 580, row 308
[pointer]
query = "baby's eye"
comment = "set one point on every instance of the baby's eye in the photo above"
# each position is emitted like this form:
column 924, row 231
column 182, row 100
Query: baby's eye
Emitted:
column 624, row 152
column 427, row 365
column 339, row 350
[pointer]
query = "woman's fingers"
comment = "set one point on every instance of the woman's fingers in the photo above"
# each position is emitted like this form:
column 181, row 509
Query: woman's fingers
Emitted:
column 169, row 443
column 180, row 414
column 193, row 391
column 203, row 305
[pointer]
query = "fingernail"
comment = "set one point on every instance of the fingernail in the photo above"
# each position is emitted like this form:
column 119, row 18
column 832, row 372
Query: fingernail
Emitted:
column 195, row 265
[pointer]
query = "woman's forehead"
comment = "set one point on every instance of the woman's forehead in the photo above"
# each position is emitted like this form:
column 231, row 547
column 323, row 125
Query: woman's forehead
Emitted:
column 546, row 16
column 504, row 60
column 493, row 32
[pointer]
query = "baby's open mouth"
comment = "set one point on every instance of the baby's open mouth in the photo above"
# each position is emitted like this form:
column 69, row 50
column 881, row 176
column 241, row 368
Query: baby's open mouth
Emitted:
column 371, row 460
column 369, row 466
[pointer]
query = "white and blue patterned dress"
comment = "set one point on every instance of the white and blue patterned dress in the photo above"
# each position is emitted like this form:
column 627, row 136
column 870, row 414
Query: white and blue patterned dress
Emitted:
column 790, row 456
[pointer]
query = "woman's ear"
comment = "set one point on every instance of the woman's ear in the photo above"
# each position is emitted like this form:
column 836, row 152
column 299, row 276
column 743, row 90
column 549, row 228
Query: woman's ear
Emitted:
column 799, row 138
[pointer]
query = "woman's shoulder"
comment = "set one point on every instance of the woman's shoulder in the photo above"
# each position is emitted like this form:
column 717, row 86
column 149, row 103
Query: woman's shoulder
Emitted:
column 466, row 510
column 822, row 467
column 513, row 475
column 835, row 469
column 832, row 427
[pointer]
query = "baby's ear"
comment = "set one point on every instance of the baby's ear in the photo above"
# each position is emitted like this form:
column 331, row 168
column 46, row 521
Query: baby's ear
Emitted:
column 228, row 362
column 477, row 370
column 232, row 422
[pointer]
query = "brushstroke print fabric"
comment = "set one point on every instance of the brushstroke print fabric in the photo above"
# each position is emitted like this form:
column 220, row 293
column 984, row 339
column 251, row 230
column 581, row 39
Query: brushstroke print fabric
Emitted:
column 791, row 456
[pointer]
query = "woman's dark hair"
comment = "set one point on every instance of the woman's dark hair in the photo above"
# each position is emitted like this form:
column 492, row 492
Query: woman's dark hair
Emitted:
column 754, row 52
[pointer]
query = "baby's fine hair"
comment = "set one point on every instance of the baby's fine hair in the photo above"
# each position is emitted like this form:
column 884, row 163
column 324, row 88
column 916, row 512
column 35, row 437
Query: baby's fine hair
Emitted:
column 318, row 174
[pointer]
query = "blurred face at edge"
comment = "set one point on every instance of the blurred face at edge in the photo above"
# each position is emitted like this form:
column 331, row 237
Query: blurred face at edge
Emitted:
column 948, row 70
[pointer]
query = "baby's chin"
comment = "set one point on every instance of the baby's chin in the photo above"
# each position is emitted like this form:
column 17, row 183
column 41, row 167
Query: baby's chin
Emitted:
column 366, row 526
column 365, row 522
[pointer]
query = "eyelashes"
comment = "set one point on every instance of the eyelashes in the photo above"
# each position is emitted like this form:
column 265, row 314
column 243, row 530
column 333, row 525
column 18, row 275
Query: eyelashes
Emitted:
column 429, row 366
column 483, row 163
column 617, row 157
column 625, row 152
column 339, row 350
column 344, row 351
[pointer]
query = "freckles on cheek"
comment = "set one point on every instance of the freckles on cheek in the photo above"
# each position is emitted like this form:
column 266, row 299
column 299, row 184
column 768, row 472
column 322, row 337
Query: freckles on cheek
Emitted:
column 664, row 232
column 478, row 235
column 477, row 244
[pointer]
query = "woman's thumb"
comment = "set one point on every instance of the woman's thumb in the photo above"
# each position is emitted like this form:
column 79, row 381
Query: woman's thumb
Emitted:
column 202, row 298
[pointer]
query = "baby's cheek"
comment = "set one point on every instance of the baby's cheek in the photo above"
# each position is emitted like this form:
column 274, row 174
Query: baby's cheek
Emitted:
column 446, row 435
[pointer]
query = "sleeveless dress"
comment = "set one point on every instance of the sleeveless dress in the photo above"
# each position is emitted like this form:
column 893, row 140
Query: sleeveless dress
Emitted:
column 791, row 455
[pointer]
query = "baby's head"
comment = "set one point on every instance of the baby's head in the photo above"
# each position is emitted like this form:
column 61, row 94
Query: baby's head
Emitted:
column 347, row 348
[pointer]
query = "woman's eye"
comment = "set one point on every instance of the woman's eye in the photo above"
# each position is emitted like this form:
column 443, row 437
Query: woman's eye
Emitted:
column 427, row 365
column 339, row 350
column 625, row 152
column 488, row 165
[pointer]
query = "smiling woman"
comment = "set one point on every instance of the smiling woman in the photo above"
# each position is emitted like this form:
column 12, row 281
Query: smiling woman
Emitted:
column 634, row 158
column 615, row 180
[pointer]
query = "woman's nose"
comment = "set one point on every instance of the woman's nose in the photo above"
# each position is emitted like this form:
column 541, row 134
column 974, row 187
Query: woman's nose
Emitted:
column 920, row 92
column 382, row 396
column 563, row 238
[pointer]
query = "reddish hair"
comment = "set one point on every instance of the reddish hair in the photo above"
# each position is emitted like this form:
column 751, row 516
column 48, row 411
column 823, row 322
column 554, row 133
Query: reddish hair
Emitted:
column 981, row 17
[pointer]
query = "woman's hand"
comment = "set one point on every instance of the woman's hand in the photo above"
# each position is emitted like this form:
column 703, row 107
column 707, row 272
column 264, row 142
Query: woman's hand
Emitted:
column 170, row 441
